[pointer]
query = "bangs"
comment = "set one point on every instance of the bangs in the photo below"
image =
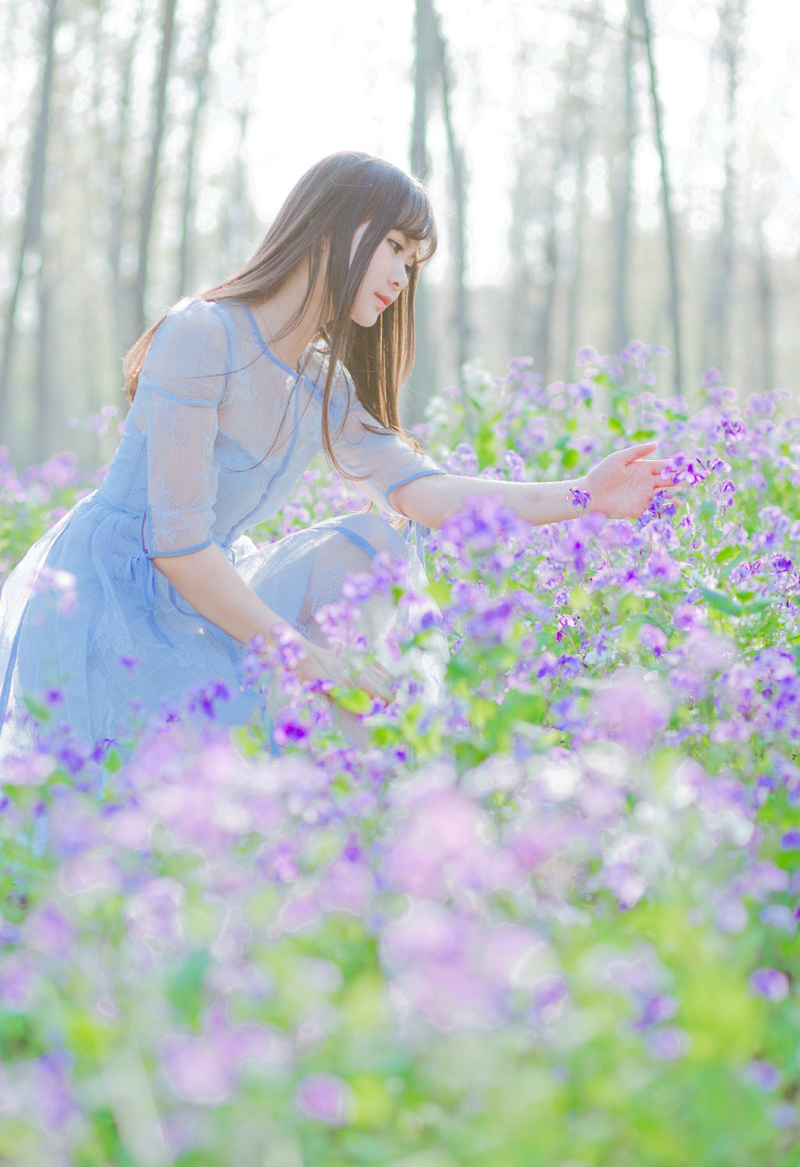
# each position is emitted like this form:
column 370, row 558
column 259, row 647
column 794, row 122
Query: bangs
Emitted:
column 417, row 223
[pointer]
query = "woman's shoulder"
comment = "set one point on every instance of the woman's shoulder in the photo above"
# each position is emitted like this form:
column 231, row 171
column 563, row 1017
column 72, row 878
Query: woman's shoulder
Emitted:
column 194, row 328
column 191, row 341
column 194, row 314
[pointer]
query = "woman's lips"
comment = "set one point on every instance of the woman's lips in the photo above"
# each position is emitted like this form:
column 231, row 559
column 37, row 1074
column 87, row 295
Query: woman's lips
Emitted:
column 383, row 299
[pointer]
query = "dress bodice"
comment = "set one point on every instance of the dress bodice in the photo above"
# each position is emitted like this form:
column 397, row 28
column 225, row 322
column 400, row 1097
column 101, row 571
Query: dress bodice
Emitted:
column 211, row 400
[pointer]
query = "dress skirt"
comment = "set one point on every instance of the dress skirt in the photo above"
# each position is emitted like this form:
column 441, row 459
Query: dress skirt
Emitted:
column 92, row 629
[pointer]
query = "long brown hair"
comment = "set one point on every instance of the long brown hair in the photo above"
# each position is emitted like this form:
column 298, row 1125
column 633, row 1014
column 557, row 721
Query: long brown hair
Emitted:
column 331, row 200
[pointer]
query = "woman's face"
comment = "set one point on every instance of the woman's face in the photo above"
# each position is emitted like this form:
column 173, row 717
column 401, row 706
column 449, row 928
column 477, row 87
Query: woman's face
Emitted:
column 386, row 275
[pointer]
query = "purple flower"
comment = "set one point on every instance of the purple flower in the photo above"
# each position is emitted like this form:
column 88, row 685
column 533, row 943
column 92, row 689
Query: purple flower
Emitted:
column 731, row 915
column 762, row 1074
column 49, row 1094
column 586, row 356
column 290, row 731
column 483, row 524
column 196, row 1071
column 579, row 498
column 631, row 710
column 548, row 991
column 493, row 623
column 669, row 1043
column 656, row 1008
column 50, row 931
column 324, row 1098
column 778, row 916
column 653, row 639
column 784, row 1115
column 202, row 698
column 770, row 983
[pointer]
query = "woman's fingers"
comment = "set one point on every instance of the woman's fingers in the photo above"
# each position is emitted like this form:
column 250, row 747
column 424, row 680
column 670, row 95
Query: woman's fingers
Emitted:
column 634, row 453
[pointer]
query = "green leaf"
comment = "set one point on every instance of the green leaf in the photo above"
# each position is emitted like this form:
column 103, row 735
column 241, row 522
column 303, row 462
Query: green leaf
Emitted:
column 579, row 599
column 756, row 606
column 113, row 762
column 616, row 426
column 39, row 711
column 439, row 590
column 570, row 458
column 356, row 700
column 527, row 707
column 720, row 602
column 185, row 987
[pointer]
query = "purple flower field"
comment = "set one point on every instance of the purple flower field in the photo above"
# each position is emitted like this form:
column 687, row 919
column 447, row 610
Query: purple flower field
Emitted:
column 548, row 920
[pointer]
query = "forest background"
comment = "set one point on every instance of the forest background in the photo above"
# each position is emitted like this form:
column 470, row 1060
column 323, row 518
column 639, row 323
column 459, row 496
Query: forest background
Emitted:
column 602, row 170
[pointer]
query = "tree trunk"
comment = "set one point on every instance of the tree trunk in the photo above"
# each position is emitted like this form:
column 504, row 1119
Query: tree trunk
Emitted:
column 519, row 283
column 722, row 289
column 29, row 253
column 48, row 421
column 238, row 229
column 766, row 378
column 575, row 284
column 543, row 342
column 584, row 113
column 425, row 374
column 151, row 180
column 623, row 195
column 666, row 199
column 116, row 192
column 200, row 81
column 458, row 187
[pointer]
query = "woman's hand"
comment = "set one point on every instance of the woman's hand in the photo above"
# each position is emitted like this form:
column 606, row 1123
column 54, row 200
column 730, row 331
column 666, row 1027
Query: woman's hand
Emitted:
column 313, row 662
column 622, row 485
column 325, row 664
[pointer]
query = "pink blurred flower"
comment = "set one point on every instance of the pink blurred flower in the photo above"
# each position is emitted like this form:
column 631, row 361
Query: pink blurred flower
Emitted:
column 49, row 930
column 631, row 710
column 325, row 1098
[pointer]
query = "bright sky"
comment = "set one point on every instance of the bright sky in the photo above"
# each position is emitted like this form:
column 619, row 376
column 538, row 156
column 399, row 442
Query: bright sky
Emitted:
column 344, row 75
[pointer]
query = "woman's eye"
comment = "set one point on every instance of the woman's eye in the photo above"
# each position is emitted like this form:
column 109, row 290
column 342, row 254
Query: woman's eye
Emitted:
column 399, row 248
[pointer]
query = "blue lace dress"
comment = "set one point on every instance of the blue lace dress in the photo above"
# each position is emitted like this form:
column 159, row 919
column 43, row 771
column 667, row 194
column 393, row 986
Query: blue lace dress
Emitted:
column 188, row 471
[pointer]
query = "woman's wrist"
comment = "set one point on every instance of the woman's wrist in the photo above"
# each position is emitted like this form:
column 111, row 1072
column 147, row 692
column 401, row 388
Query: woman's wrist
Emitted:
column 553, row 502
column 580, row 496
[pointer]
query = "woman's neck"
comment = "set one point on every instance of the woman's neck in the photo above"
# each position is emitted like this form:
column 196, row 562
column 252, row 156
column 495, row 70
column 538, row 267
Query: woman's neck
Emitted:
column 273, row 315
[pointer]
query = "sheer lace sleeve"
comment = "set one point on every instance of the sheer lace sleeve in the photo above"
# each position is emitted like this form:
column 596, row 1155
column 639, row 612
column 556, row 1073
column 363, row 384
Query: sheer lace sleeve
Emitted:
column 388, row 461
column 183, row 382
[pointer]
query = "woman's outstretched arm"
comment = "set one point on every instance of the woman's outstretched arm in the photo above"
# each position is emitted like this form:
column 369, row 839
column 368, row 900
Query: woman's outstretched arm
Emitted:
column 619, row 487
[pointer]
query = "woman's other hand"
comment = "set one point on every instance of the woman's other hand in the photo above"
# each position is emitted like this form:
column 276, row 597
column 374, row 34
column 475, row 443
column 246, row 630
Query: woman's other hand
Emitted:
column 322, row 664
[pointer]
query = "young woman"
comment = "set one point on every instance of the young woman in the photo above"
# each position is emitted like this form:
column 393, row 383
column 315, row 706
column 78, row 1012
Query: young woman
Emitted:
column 232, row 394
